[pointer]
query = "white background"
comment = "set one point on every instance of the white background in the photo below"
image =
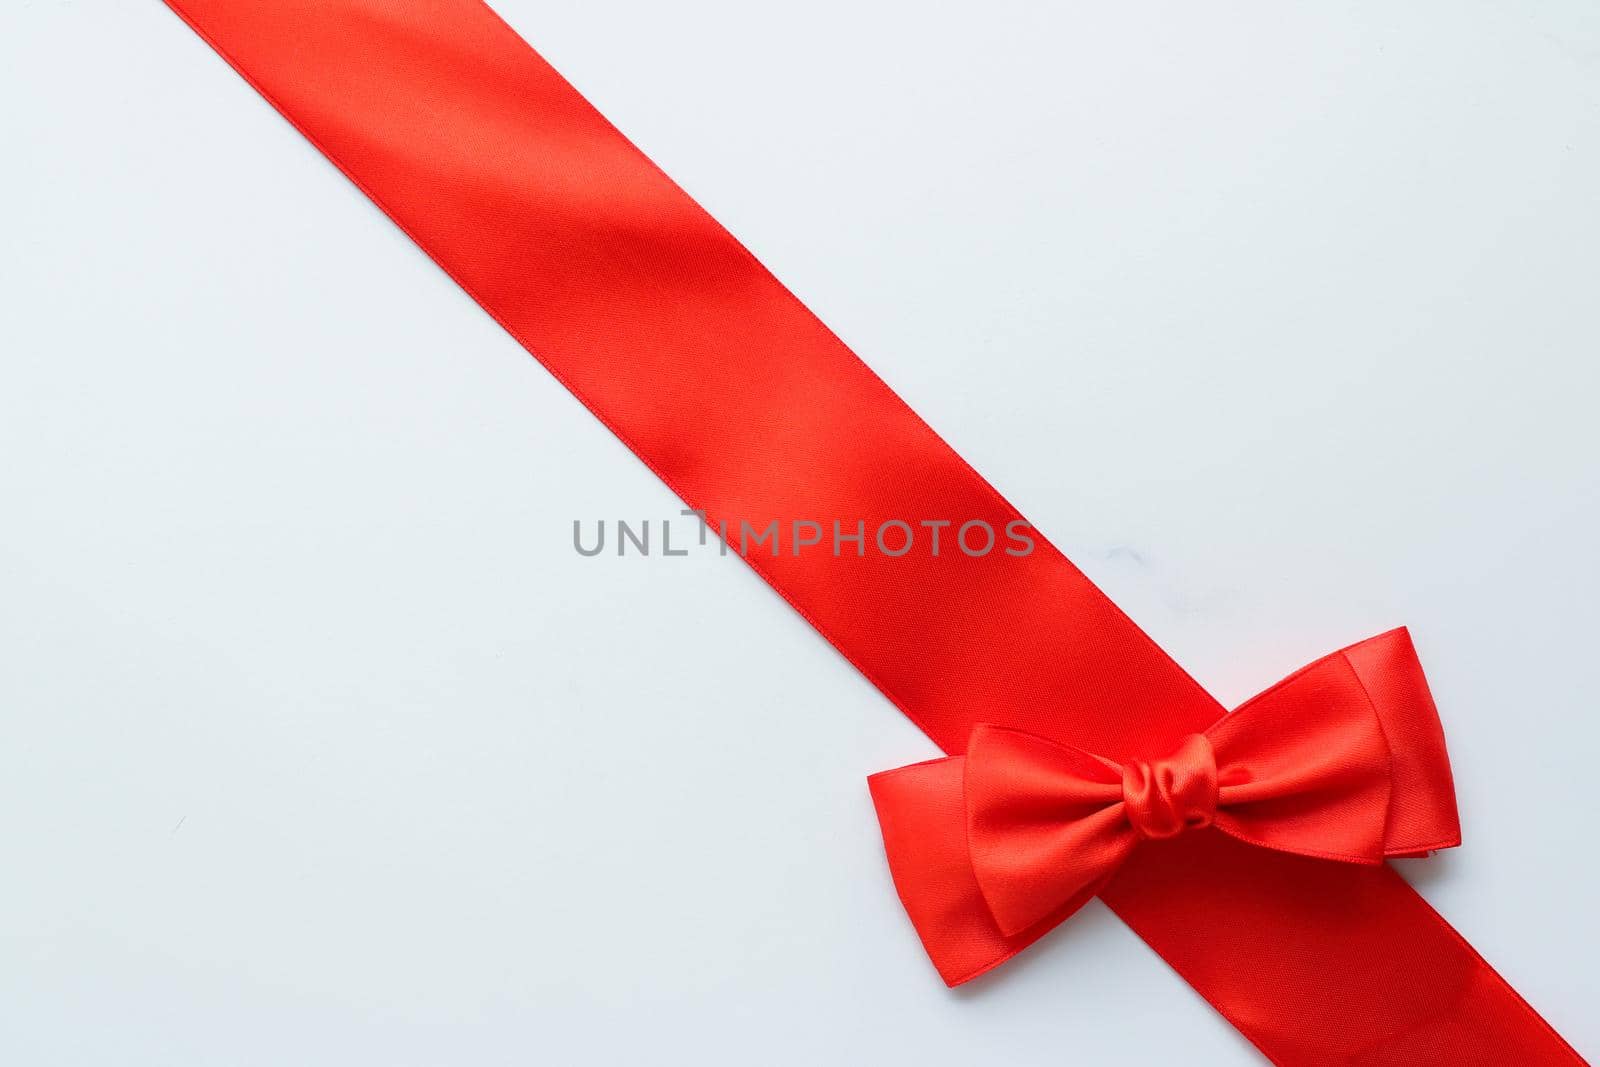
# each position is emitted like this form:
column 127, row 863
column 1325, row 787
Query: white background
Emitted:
column 320, row 745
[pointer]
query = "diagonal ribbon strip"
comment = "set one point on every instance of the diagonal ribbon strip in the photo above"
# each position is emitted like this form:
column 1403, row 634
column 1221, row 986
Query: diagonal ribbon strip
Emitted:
column 666, row 328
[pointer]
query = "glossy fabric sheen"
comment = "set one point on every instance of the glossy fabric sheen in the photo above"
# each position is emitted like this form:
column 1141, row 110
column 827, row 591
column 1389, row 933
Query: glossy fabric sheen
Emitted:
column 749, row 408
column 1314, row 766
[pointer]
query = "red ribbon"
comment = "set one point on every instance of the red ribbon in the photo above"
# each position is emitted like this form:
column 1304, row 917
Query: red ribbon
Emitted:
column 747, row 406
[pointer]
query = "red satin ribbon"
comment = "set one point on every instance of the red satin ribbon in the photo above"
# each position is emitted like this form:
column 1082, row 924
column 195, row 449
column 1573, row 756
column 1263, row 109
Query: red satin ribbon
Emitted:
column 747, row 406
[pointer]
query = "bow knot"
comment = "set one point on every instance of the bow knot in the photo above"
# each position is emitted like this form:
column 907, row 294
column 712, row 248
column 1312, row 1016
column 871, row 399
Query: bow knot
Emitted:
column 1163, row 798
column 1343, row 760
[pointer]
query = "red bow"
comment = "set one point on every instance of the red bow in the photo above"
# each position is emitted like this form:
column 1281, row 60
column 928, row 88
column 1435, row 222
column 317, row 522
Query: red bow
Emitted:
column 1343, row 760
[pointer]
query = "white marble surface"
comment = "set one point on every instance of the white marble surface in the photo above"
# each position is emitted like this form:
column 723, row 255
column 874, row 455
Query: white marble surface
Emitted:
column 318, row 745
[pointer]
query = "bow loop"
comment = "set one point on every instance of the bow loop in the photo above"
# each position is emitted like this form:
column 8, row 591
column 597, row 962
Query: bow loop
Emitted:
column 1030, row 802
column 1306, row 768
